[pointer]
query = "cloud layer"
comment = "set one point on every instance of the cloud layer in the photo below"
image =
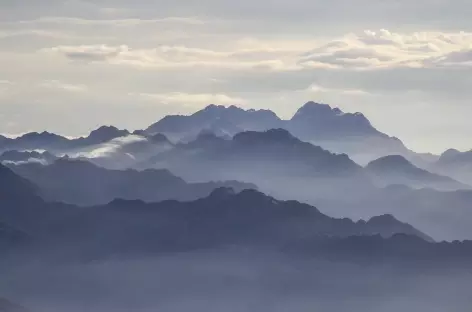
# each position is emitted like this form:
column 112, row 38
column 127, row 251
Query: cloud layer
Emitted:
column 127, row 63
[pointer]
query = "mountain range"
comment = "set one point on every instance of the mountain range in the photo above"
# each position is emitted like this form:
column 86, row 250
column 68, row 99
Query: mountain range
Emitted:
column 396, row 169
column 455, row 164
column 83, row 183
column 223, row 218
column 316, row 123
column 215, row 144
column 319, row 124
column 105, row 223
column 57, row 143
column 269, row 159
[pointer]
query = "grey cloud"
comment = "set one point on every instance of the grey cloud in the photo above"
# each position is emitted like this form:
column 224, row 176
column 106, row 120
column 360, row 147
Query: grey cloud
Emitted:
column 268, row 53
column 335, row 16
column 456, row 58
column 90, row 53
column 353, row 57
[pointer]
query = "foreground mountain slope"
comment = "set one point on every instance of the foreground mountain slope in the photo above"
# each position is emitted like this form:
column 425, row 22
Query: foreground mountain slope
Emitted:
column 83, row 183
column 395, row 169
column 221, row 218
column 225, row 218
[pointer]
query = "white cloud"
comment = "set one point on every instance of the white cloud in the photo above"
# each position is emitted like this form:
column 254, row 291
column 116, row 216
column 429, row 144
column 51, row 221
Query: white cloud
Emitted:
column 58, row 85
column 109, row 148
column 176, row 57
column 459, row 58
column 191, row 99
column 369, row 50
column 189, row 54
column 315, row 89
column 5, row 86
column 385, row 49
column 124, row 22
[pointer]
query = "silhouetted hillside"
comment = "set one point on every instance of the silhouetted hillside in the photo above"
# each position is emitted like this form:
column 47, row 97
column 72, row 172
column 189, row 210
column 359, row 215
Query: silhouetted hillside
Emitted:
column 217, row 119
column 55, row 143
column 455, row 164
column 319, row 124
column 17, row 157
column 271, row 160
column 14, row 186
column 83, row 183
column 396, row 169
column 224, row 218
column 445, row 215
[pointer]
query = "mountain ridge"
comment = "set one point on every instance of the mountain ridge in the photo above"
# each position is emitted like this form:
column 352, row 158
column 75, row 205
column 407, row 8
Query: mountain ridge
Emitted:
column 83, row 183
column 396, row 169
column 320, row 124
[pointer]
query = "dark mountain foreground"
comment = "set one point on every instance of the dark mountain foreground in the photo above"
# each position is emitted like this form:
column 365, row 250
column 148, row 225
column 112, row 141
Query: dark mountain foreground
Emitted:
column 226, row 252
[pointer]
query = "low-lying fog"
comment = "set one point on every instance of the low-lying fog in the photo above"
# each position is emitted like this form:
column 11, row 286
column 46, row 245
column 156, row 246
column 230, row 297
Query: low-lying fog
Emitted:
column 231, row 281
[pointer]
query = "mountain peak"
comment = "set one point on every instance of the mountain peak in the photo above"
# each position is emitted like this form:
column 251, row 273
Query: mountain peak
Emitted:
column 383, row 219
column 449, row 154
column 389, row 222
column 222, row 193
column 325, row 109
column 389, row 162
column 321, row 121
column 272, row 135
column 214, row 107
column 14, row 186
column 311, row 108
column 106, row 133
column 45, row 135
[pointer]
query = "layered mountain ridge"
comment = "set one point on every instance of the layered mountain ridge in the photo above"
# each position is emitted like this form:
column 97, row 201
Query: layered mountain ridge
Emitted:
column 350, row 133
column 224, row 217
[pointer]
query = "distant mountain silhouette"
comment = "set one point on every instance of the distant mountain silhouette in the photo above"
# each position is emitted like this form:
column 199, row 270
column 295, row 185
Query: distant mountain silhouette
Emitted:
column 320, row 124
column 218, row 119
column 269, row 159
column 56, row 143
column 14, row 186
column 14, row 156
column 100, row 135
column 455, row 164
column 34, row 140
column 445, row 215
column 83, row 183
column 330, row 128
column 224, row 218
column 395, row 169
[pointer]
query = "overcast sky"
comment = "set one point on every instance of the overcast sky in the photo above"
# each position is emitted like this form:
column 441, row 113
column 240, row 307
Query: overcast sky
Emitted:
column 68, row 66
